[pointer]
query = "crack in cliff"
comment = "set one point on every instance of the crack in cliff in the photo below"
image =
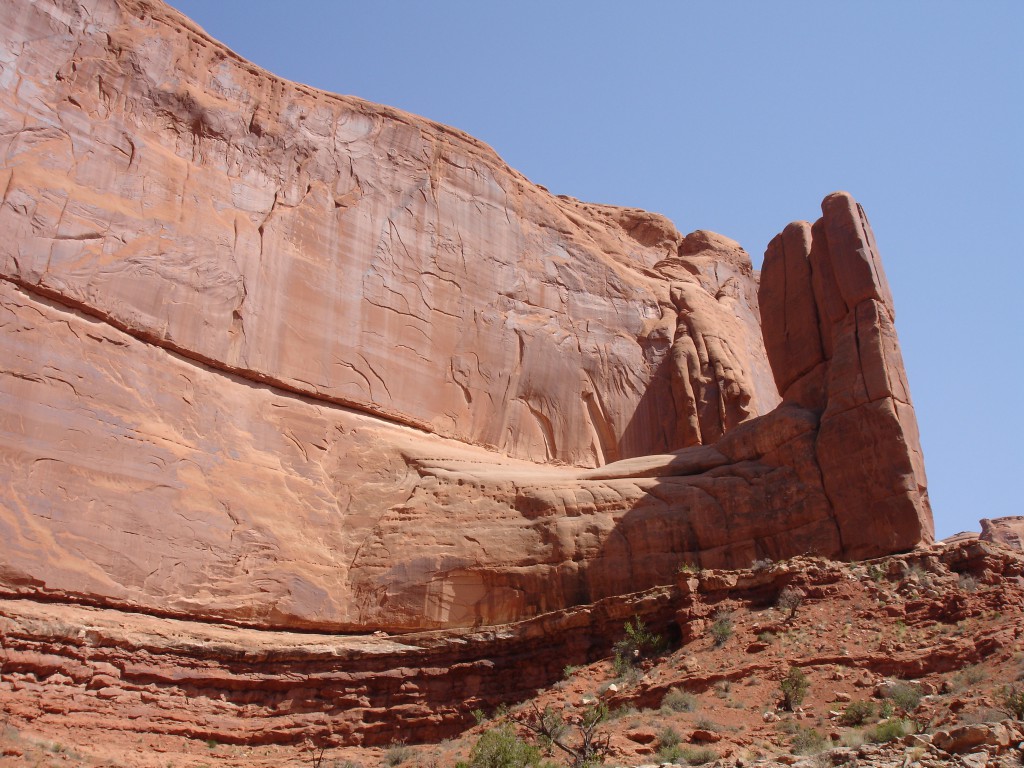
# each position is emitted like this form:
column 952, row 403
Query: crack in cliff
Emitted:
column 66, row 303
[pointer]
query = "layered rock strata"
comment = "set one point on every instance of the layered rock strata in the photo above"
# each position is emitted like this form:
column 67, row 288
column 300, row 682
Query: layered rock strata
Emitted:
column 110, row 671
column 291, row 360
column 118, row 675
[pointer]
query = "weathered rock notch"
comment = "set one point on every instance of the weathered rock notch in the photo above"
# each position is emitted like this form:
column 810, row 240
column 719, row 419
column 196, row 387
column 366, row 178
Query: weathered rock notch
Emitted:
column 296, row 361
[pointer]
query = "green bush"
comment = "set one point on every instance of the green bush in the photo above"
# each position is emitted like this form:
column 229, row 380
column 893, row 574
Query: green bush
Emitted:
column 888, row 730
column 639, row 643
column 670, row 754
column 669, row 737
column 721, row 630
column 794, row 688
column 669, row 750
column 502, row 748
column 857, row 713
column 906, row 697
column 807, row 741
column 679, row 701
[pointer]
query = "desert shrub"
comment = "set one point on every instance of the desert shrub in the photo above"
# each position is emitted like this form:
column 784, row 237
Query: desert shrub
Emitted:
column 794, row 688
column 668, row 745
column 968, row 677
column 906, row 697
column 807, row 741
column 853, row 739
column 397, row 754
column 698, row 755
column 888, row 730
column 672, row 754
column 569, row 670
column 686, row 567
column 789, row 601
column 502, row 748
column 1012, row 700
column 924, row 577
column 638, row 644
column 968, row 583
column 761, row 565
column 789, row 726
column 679, row 701
column 857, row 713
column 721, row 629
column 625, row 710
column 668, row 737
column 766, row 637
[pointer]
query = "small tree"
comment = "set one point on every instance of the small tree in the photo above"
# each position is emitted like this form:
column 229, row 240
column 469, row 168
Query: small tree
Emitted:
column 794, row 687
column 586, row 748
column 638, row 644
column 790, row 599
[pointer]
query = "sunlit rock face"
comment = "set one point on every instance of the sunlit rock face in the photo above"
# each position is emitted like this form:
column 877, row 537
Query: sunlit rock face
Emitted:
column 291, row 359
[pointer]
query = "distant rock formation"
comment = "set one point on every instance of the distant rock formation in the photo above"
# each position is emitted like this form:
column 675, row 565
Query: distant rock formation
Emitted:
column 293, row 360
column 1008, row 531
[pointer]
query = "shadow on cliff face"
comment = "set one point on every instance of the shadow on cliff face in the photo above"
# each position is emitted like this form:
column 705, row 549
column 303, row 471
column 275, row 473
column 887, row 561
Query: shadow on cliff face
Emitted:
column 711, row 370
column 836, row 470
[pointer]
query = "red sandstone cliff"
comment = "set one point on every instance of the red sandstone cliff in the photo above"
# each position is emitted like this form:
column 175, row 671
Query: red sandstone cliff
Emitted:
column 294, row 360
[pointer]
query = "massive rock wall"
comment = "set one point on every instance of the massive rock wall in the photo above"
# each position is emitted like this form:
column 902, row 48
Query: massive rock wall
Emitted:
column 352, row 252
column 292, row 360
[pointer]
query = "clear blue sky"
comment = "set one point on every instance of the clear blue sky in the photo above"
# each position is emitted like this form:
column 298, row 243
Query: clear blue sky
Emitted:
column 739, row 117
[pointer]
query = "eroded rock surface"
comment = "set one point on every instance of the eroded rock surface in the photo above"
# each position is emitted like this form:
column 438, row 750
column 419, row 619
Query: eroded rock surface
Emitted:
column 828, row 328
column 347, row 251
column 291, row 360
column 1008, row 531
